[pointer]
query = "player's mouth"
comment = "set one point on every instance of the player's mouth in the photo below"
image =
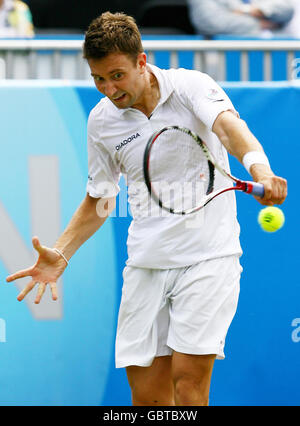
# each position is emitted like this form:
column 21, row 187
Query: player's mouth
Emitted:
column 120, row 98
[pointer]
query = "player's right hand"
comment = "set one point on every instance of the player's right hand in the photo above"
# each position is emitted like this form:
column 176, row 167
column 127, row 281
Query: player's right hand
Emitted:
column 275, row 186
column 275, row 190
column 48, row 268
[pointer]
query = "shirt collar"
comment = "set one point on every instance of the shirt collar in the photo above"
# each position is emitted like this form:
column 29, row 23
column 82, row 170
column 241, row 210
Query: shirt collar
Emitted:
column 165, row 86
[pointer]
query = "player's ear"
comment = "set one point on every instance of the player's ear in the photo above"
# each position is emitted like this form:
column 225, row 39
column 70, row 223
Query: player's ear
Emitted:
column 142, row 61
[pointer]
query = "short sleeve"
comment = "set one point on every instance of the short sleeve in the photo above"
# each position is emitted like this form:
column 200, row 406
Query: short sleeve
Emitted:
column 204, row 97
column 103, row 175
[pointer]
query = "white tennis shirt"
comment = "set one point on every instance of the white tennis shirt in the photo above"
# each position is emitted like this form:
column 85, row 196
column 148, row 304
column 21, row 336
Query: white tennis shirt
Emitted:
column 116, row 143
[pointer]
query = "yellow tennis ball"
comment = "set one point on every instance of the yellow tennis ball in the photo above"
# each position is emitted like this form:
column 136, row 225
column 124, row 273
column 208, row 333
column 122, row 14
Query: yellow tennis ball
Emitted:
column 271, row 219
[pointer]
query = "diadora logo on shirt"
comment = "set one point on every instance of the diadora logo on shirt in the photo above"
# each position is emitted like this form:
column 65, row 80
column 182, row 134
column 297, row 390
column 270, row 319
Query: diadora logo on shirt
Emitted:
column 126, row 141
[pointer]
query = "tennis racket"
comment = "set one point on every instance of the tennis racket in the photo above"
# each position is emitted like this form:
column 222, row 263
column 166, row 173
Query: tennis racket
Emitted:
column 179, row 172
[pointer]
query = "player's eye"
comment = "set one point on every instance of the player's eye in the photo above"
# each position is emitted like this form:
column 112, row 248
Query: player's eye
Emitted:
column 97, row 78
column 118, row 76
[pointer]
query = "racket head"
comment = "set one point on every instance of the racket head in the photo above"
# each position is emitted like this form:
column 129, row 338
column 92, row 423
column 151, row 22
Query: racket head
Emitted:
column 179, row 170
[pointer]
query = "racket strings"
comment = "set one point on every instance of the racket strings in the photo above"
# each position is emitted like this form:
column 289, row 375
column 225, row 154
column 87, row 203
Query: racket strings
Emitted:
column 179, row 171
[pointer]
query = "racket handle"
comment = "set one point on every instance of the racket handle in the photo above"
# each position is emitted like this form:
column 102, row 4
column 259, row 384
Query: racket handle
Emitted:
column 256, row 188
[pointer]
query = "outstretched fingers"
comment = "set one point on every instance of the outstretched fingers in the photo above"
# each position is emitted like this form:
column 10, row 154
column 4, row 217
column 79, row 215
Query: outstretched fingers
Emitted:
column 26, row 290
column 20, row 274
column 36, row 244
column 53, row 290
column 40, row 272
column 40, row 292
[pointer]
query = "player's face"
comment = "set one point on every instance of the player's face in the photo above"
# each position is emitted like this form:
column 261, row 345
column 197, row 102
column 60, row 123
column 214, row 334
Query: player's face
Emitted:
column 119, row 78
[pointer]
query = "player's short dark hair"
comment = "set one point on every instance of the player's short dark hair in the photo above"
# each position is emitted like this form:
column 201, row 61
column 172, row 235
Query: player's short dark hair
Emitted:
column 112, row 33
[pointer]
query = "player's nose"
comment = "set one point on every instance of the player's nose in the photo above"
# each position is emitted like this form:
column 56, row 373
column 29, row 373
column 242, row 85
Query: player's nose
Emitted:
column 110, row 90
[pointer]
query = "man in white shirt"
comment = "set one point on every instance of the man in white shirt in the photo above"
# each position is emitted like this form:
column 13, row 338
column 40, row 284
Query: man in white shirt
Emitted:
column 240, row 17
column 185, row 99
column 181, row 284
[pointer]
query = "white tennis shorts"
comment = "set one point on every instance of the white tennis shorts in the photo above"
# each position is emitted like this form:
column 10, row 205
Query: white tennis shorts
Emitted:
column 187, row 309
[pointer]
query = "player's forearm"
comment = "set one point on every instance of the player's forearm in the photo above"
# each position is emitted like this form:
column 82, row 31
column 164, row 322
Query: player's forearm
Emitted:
column 87, row 219
column 235, row 135
column 239, row 140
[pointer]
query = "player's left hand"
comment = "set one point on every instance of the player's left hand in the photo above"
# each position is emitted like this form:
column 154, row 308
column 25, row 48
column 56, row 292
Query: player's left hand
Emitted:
column 46, row 271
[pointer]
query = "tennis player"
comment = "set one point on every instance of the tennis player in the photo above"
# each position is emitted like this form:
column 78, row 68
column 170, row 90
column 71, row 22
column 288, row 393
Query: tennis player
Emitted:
column 181, row 284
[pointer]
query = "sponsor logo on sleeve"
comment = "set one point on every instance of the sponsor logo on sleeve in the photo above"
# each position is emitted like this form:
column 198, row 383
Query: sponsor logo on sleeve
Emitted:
column 215, row 96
